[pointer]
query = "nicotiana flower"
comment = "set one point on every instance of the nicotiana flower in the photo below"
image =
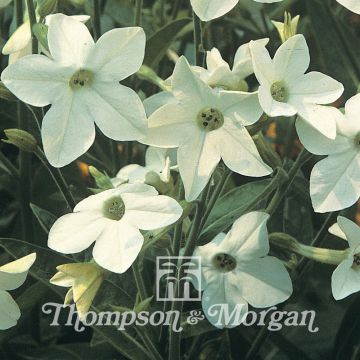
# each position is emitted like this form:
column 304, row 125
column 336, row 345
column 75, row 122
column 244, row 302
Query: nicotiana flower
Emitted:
column 206, row 125
column 12, row 275
column 335, row 180
column 112, row 220
column 352, row 5
column 285, row 89
column 288, row 28
column 19, row 43
column 345, row 279
column 81, row 81
column 211, row 9
column 219, row 74
column 236, row 270
column 84, row 280
column 158, row 163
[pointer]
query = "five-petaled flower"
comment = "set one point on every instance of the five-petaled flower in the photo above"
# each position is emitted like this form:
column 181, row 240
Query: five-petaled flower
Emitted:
column 285, row 89
column 81, row 82
column 12, row 275
column 352, row 5
column 112, row 220
column 346, row 277
column 335, row 180
column 236, row 271
column 206, row 125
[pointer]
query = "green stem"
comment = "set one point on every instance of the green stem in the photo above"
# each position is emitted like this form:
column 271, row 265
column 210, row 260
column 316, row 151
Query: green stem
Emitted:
column 138, row 12
column 97, row 23
column 198, row 40
column 176, row 9
column 176, row 244
column 18, row 12
column 140, row 285
column 153, row 351
column 12, row 169
column 32, row 19
column 58, row 179
column 303, row 157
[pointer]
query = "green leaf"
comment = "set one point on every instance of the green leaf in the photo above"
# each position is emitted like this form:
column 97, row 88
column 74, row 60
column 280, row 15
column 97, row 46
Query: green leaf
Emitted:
column 158, row 43
column 230, row 207
column 41, row 32
column 45, row 218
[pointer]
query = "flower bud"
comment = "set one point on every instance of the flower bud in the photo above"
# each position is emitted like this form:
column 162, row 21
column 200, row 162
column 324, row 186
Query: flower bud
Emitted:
column 267, row 153
column 102, row 180
column 288, row 28
column 41, row 31
column 20, row 138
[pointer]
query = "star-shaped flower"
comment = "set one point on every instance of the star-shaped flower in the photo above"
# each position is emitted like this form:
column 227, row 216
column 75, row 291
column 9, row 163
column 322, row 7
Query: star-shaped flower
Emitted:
column 335, row 180
column 345, row 279
column 352, row 5
column 206, row 125
column 285, row 89
column 207, row 10
column 12, row 275
column 81, row 82
column 219, row 74
column 112, row 220
column 236, row 270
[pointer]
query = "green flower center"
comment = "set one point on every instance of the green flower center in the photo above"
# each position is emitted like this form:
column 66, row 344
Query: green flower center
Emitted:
column 224, row 262
column 80, row 79
column 278, row 91
column 114, row 208
column 210, row 119
column 356, row 260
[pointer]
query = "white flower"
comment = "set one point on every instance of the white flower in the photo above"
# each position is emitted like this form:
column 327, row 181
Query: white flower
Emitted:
column 352, row 5
column 19, row 43
column 335, row 180
column 81, row 81
column 218, row 72
column 4, row 3
column 285, row 89
column 158, row 162
column 236, row 270
column 12, row 275
column 206, row 125
column 211, row 9
column 112, row 220
column 345, row 279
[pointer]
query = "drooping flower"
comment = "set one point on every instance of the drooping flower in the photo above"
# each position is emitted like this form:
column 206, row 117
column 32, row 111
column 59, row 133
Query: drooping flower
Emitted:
column 352, row 5
column 81, row 82
column 345, row 279
column 285, row 89
column 206, row 125
column 112, row 219
column 335, row 180
column 237, row 271
column 84, row 280
column 219, row 74
column 158, row 163
column 12, row 275
column 19, row 43
column 207, row 10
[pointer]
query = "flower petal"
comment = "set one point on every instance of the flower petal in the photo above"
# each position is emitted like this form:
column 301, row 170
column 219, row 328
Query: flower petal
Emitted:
column 151, row 212
column 248, row 237
column 352, row 5
column 67, row 129
column 70, row 41
column 292, row 58
column 317, row 143
column 118, row 246
column 335, row 182
column 13, row 274
column 220, row 299
column 118, row 53
column 207, row 10
column 36, row 80
column 314, row 87
column 246, row 159
column 351, row 230
column 18, row 40
column 345, row 280
column 335, row 230
column 197, row 160
column 9, row 311
column 264, row 282
column 117, row 110
column 75, row 232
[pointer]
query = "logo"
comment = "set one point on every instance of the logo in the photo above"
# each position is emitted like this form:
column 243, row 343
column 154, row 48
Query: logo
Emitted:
column 174, row 275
